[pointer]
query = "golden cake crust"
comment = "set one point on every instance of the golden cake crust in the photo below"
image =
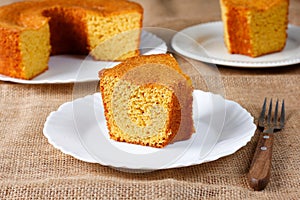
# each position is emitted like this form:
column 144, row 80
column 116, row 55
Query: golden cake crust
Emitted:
column 250, row 5
column 28, row 14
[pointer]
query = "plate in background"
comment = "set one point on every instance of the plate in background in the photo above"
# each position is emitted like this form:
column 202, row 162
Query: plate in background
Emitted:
column 204, row 42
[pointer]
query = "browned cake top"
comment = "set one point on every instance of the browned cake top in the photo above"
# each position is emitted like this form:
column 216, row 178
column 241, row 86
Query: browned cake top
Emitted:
column 28, row 13
column 252, row 4
column 162, row 68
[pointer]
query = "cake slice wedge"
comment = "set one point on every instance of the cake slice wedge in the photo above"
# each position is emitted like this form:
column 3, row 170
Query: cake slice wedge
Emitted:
column 147, row 101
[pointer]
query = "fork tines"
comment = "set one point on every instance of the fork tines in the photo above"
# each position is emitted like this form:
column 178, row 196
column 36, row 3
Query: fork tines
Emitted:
column 268, row 117
column 282, row 116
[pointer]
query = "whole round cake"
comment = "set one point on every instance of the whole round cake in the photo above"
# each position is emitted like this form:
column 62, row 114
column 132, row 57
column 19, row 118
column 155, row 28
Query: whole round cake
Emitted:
column 31, row 31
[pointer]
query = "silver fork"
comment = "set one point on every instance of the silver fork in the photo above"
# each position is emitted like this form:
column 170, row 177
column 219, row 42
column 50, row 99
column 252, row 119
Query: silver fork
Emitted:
column 260, row 169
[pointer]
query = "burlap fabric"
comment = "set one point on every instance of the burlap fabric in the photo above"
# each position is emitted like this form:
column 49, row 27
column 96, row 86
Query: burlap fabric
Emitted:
column 31, row 168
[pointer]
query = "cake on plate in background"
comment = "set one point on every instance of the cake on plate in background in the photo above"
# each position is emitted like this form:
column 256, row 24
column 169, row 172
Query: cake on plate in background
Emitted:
column 254, row 28
column 31, row 31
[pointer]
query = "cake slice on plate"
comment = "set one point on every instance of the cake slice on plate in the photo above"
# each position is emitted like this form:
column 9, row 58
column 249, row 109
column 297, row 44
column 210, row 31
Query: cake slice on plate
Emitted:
column 147, row 101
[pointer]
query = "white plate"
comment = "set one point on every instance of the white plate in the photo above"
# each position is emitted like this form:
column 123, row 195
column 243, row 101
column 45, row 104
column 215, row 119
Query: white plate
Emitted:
column 205, row 42
column 78, row 128
column 76, row 68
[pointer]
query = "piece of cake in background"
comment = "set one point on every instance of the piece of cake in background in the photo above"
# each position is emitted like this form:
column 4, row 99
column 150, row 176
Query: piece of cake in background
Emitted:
column 32, row 30
column 254, row 28
column 147, row 101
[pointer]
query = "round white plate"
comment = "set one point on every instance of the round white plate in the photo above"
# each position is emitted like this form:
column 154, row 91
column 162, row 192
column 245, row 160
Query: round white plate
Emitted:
column 204, row 42
column 78, row 128
column 76, row 68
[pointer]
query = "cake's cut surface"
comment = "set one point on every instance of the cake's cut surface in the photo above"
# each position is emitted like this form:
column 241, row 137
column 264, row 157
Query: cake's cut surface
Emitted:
column 254, row 28
column 32, row 30
column 148, row 101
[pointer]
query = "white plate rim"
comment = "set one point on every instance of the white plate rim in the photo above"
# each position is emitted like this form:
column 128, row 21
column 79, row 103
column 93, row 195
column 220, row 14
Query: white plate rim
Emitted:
column 236, row 60
column 216, row 153
column 147, row 38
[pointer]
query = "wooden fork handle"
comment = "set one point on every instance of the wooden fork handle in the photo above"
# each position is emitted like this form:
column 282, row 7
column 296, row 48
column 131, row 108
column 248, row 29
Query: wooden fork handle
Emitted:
column 260, row 169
